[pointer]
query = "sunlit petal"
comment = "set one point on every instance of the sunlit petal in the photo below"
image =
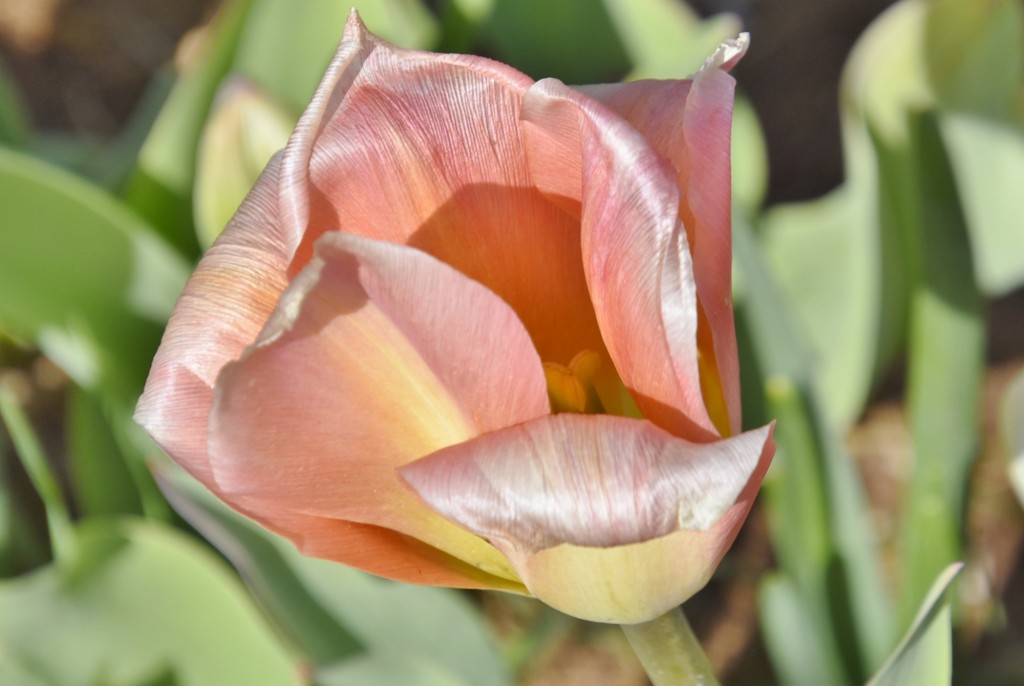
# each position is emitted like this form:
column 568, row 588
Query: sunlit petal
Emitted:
column 589, row 480
column 357, row 374
column 426, row 149
column 689, row 124
column 605, row 518
column 224, row 306
column 635, row 252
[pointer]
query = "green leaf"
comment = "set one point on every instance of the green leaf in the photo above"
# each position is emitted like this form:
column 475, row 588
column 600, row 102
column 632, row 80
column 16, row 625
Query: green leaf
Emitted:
column 92, row 284
column 283, row 51
column 974, row 54
column 964, row 59
column 1011, row 428
column 141, row 601
column 827, row 264
column 573, row 40
column 885, row 76
column 161, row 188
column 387, row 669
column 24, row 542
column 14, row 130
column 102, row 482
column 987, row 157
column 472, row 11
column 946, row 349
column 822, row 537
column 406, row 23
column 286, row 52
column 389, row 616
column 920, row 55
column 114, row 162
column 460, row 23
column 13, row 673
column 925, row 655
column 749, row 158
column 802, row 654
column 665, row 39
column 799, row 503
column 40, row 472
column 839, row 258
column 266, row 563
column 330, row 610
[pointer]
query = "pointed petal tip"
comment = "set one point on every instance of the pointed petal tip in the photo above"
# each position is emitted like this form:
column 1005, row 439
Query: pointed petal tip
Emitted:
column 726, row 56
column 354, row 21
column 356, row 31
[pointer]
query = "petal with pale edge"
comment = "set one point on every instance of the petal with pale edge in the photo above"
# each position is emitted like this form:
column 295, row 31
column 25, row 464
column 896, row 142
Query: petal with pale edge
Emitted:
column 626, row 584
column 359, row 372
column 427, row 150
column 635, row 253
column 605, row 491
column 225, row 304
column 356, row 46
column 689, row 124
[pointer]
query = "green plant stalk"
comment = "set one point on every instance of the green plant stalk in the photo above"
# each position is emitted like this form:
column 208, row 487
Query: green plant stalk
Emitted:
column 946, row 349
column 822, row 538
column 670, row 652
column 30, row 452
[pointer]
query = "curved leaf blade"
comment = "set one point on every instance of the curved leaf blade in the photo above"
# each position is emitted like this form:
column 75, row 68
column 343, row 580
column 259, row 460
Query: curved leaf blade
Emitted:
column 83, row 278
column 925, row 655
column 141, row 602
column 316, row 601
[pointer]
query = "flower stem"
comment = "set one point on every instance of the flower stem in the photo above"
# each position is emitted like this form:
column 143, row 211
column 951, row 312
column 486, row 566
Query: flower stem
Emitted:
column 670, row 652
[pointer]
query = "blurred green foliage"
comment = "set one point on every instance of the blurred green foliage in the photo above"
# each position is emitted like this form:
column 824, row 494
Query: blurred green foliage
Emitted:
column 895, row 264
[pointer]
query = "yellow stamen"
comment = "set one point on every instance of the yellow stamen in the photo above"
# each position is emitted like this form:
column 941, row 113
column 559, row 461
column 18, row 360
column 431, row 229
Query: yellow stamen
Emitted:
column 571, row 388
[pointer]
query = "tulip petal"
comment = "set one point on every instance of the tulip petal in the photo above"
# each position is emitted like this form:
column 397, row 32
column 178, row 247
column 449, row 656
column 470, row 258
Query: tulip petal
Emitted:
column 689, row 124
column 589, row 480
column 356, row 374
column 356, row 46
column 393, row 134
column 627, row 584
column 426, row 150
column 635, row 253
column 605, row 518
column 383, row 552
column 224, row 306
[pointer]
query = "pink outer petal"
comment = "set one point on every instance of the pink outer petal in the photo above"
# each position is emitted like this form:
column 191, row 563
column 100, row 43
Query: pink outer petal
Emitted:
column 390, row 554
column 224, row 306
column 427, row 150
column 690, row 124
column 403, row 135
column 383, row 552
column 604, row 518
column 356, row 46
column 635, row 254
column 377, row 355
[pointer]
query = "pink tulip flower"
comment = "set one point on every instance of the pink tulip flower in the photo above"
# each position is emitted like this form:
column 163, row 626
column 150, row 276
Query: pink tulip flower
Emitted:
column 473, row 330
